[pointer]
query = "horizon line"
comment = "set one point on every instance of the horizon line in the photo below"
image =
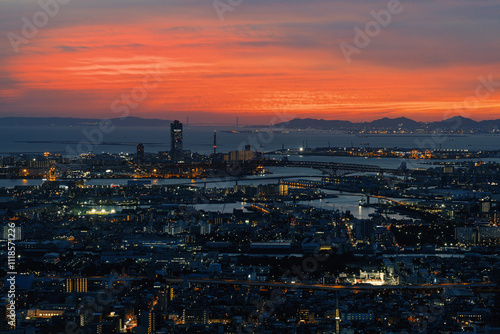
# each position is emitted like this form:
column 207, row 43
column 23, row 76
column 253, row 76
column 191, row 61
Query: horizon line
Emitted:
column 239, row 124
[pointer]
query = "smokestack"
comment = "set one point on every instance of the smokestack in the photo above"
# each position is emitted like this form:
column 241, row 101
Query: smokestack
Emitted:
column 215, row 142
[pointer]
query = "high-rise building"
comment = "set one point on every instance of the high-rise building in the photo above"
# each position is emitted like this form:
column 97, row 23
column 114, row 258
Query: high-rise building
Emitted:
column 140, row 152
column 8, row 235
column 176, row 140
column 193, row 316
column 163, row 301
column 305, row 316
column 148, row 320
column 76, row 285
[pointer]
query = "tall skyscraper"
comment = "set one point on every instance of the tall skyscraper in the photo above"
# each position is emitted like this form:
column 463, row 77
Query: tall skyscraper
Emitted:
column 176, row 140
column 148, row 320
column 140, row 152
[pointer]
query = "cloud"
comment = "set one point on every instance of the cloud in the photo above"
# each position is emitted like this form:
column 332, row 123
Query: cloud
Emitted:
column 68, row 48
column 265, row 56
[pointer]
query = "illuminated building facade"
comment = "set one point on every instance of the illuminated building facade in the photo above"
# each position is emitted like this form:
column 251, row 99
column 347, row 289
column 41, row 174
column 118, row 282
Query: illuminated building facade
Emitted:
column 76, row 285
column 176, row 140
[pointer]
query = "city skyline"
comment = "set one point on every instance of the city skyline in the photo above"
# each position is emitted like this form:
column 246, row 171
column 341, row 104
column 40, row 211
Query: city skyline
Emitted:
column 314, row 59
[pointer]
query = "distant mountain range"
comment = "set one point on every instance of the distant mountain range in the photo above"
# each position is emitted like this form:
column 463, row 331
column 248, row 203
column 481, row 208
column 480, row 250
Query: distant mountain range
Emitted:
column 454, row 124
column 69, row 121
column 401, row 124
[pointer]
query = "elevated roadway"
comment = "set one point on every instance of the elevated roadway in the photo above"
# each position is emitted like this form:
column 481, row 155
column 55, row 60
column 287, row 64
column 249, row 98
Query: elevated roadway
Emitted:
column 335, row 287
column 236, row 168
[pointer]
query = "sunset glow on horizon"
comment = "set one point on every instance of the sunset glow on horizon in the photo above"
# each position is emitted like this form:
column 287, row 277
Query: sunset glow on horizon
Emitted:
column 263, row 58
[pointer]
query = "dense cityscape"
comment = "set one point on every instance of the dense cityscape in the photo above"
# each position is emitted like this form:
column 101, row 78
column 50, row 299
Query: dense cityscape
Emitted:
column 139, row 256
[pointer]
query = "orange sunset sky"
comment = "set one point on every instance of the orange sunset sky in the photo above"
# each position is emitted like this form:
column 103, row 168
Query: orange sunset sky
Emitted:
column 263, row 57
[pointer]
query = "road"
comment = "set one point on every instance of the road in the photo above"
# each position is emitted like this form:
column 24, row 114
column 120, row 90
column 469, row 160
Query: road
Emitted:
column 335, row 287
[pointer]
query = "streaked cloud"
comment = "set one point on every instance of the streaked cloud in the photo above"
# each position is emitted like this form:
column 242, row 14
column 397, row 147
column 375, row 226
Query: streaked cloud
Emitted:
column 265, row 56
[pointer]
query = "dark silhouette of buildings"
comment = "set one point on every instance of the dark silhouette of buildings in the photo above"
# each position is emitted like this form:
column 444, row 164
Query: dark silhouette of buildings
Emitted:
column 140, row 152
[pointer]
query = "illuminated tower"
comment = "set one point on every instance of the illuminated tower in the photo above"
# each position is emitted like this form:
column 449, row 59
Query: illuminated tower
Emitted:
column 176, row 140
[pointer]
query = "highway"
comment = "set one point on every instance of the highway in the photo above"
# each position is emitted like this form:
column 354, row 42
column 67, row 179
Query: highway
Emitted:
column 240, row 167
column 242, row 179
column 335, row 287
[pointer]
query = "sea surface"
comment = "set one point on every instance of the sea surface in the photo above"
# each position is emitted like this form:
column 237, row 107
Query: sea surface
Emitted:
column 200, row 139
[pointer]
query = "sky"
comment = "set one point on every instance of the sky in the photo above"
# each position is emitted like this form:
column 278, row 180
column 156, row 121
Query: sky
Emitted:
column 262, row 61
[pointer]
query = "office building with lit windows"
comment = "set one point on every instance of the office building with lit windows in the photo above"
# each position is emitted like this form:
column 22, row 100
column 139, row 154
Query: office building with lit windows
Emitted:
column 176, row 140
column 76, row 285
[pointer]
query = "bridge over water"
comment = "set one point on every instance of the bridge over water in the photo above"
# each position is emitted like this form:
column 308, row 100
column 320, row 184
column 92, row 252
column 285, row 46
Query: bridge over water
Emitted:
column 238, row 168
